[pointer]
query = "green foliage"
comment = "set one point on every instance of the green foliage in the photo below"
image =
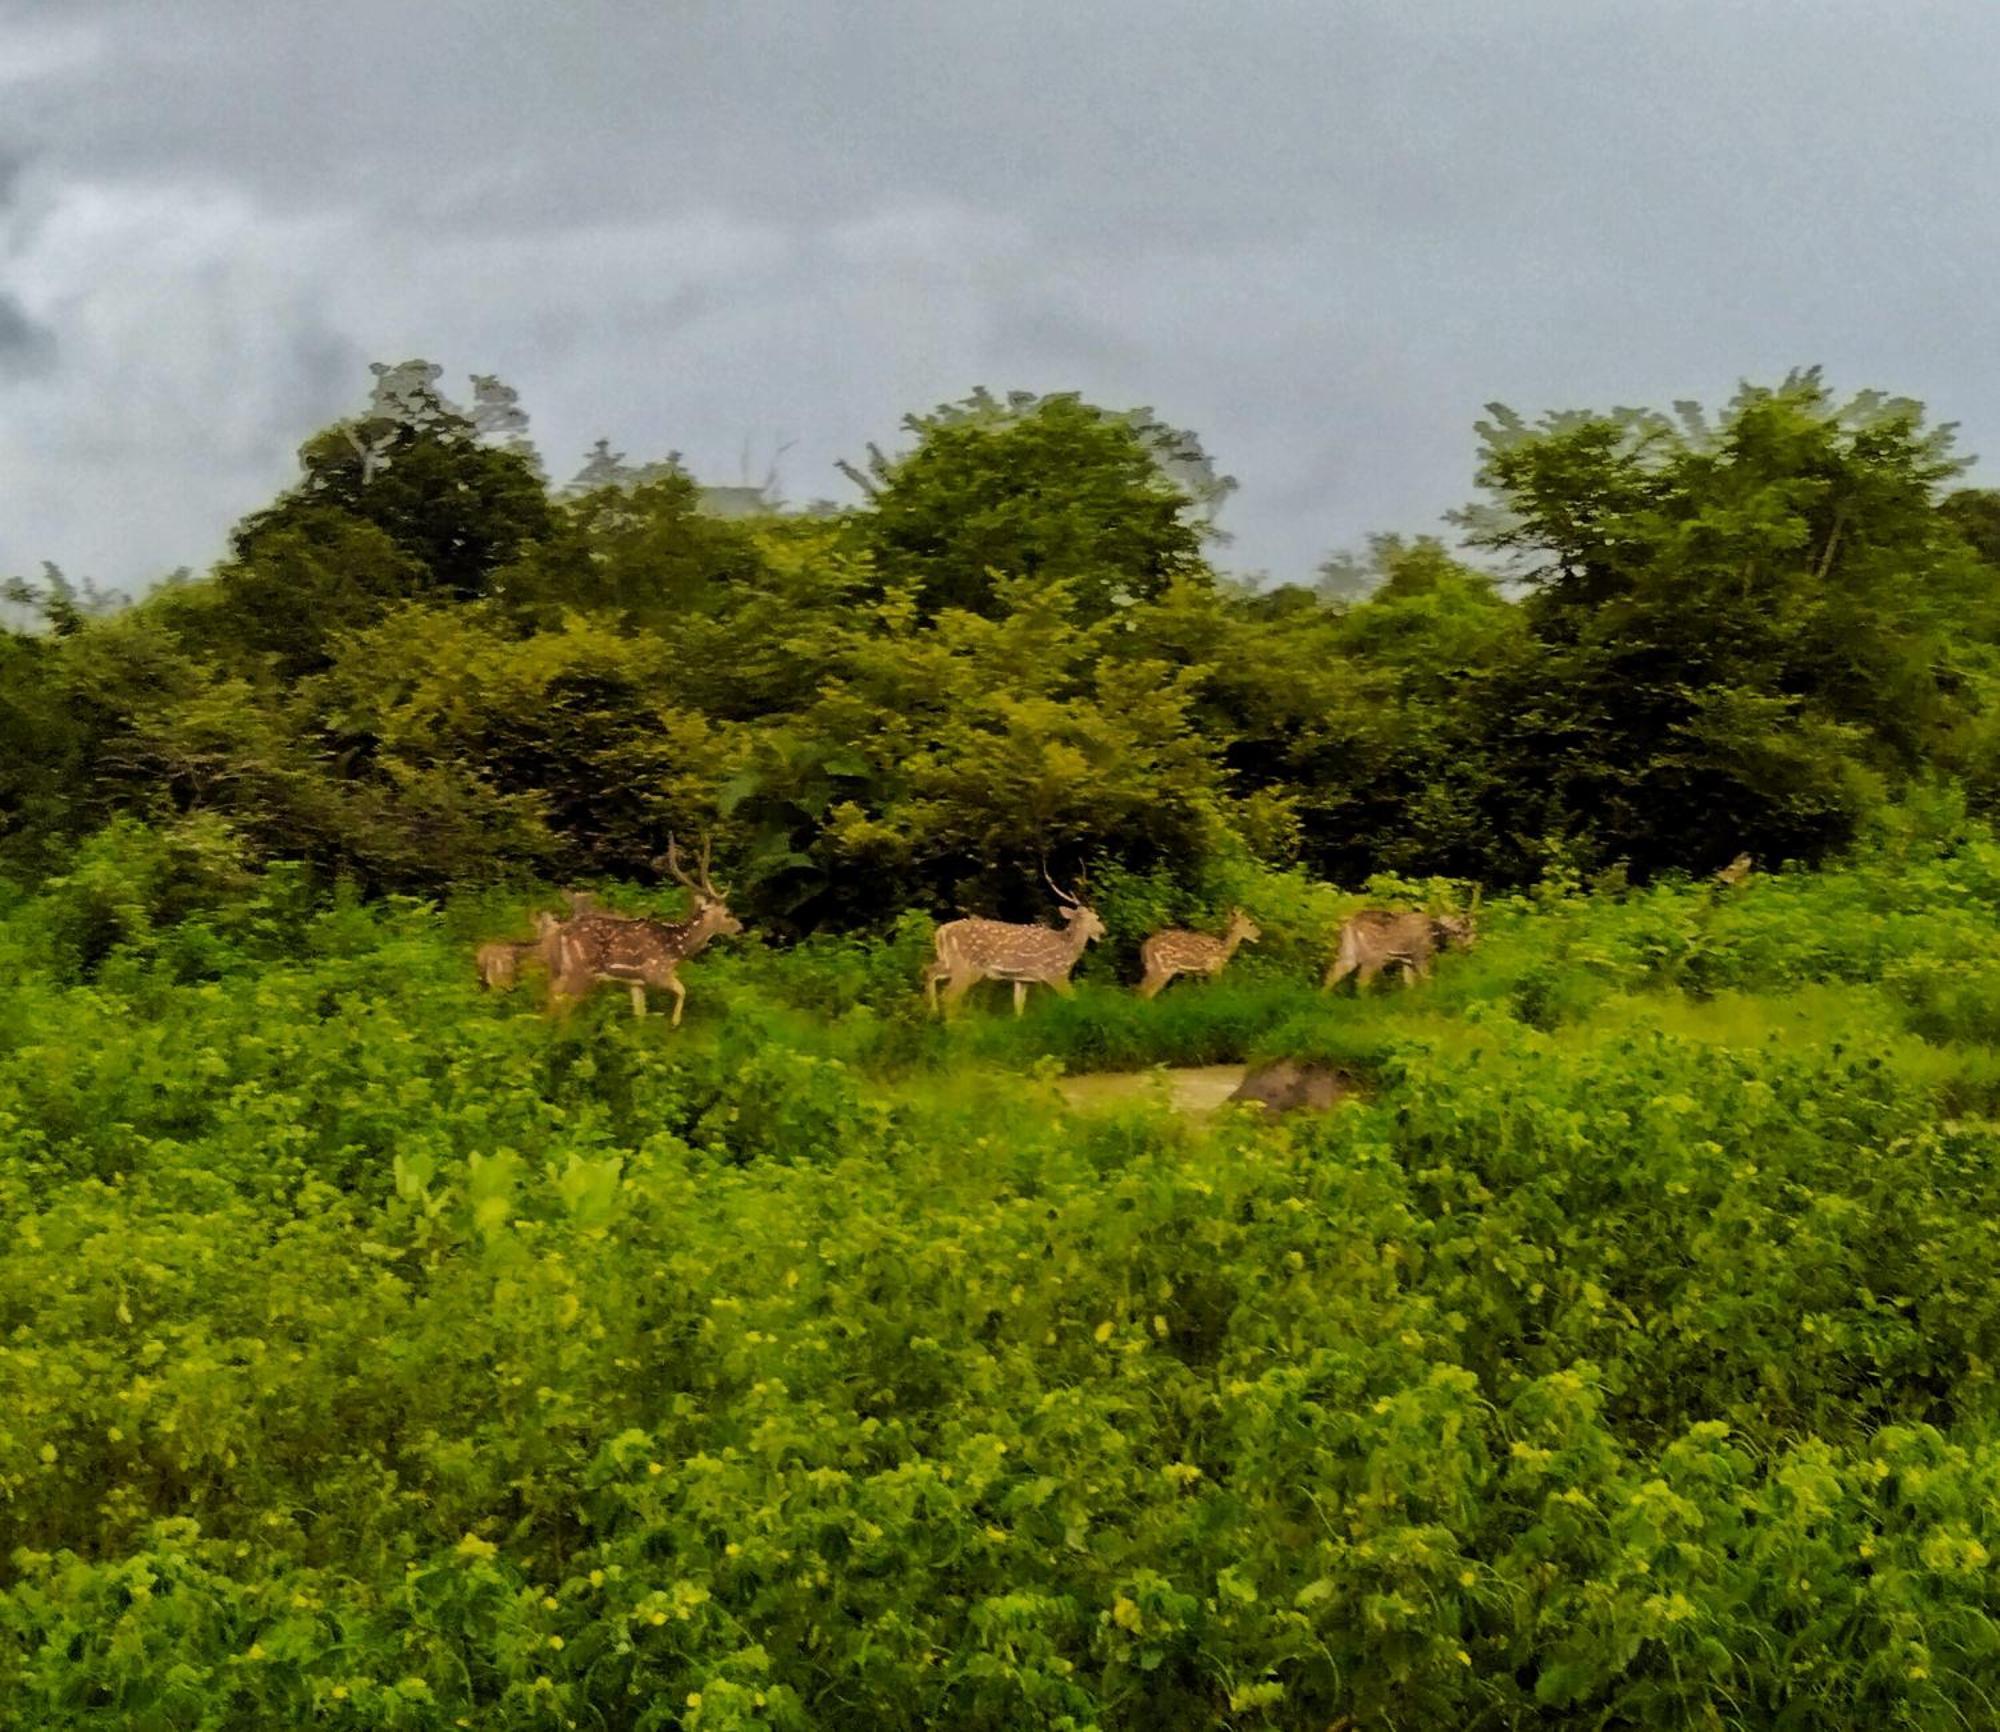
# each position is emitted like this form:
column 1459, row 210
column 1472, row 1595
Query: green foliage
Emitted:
column 1740, row 630
column 422, row 668
column 377, row 1352
column 1046, row 487
column 374, row 1351
column 416, row 468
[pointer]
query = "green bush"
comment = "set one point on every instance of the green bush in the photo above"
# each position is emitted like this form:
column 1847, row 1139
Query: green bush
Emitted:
column 378, row 1351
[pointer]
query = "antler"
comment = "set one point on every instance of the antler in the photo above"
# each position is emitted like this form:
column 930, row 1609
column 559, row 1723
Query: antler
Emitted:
column 670, row 861
column 1057, row 888
column 673, row 860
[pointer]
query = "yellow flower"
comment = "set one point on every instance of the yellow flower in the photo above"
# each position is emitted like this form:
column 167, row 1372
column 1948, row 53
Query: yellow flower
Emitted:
column 48, row 1454
column 472, row 1546
column 338, row 1692
column 1464, row 1659
column 597, row 1578
column 657, row 1618
column 556, row 1642
column 1104, row 1331
column 549, row 1603
column 654, row 1467
column 694, row 1698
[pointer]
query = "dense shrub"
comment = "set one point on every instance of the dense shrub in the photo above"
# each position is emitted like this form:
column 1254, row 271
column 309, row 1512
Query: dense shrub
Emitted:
column 376, row 1352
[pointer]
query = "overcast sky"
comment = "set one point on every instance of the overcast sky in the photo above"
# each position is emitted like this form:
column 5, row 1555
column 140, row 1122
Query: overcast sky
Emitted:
column 1322, row 234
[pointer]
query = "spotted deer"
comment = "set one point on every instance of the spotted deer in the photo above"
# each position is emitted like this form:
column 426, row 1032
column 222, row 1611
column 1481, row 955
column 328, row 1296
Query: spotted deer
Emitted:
column 1376, row 939
column 1174, row 951
column 1734, row 873
column 972, row 950
column 499, row 962
column 594, row 947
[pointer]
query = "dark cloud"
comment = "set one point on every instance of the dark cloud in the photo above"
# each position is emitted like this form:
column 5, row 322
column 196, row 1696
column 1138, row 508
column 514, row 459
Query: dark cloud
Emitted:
column 1321, row 232
column 27, row 347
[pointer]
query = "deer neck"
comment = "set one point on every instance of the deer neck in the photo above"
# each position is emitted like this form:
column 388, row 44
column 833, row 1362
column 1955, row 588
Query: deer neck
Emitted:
column 689, row 936
column 1074, row 939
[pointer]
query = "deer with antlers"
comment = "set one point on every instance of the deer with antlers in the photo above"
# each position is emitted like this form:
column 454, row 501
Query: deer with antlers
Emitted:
column 972, row 950
column 593, row 947
column 1174, row 951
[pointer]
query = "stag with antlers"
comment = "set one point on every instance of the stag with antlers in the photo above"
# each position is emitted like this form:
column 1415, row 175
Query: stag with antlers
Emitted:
column 592, row 947
column 972, row 950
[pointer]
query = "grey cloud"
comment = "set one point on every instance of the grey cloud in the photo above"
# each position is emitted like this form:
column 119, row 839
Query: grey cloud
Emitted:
column 27, row 347
column 1321, row 232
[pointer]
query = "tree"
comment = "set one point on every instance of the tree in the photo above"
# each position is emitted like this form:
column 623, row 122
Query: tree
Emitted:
column 1739, row 629
column 42, row 758
column 294, row 587
column 1035, row 487
column 637, row 546
column 425, row 474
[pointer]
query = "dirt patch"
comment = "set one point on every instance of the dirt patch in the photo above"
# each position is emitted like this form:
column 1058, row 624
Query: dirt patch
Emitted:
column 1188, row 1089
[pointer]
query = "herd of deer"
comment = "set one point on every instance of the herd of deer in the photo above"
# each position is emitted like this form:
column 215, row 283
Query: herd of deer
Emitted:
column 592, row 947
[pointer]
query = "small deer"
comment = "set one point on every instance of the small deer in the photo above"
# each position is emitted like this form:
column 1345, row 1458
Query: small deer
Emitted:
column 972, row 950
column 1376, row 939
column 1734, row 873
column 593, row 947
column 1174, row 951
column 499, row 962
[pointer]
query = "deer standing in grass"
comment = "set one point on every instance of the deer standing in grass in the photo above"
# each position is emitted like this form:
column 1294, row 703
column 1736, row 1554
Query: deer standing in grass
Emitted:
column 972, row 950
column 594, row 947
column 499, row 962
column 1376, row 939
column 1174, row 951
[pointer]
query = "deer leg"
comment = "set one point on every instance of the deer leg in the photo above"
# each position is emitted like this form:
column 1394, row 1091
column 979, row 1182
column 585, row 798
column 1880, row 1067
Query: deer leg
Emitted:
column 638, row 998
column 1155, row 979
column 1020, row 996
column 680, row 998
column 955, row 988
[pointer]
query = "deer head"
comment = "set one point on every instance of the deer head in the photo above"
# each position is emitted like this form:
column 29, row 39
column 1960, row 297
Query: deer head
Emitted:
column 1460, row 929
column 1081, row 919
column 712, row 918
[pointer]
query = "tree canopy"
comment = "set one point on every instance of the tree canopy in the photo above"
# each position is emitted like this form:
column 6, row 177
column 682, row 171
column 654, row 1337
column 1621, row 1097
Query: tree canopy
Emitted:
column 421, row 665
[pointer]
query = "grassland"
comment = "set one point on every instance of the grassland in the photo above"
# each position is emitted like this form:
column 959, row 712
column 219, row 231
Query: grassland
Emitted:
column 376, row 1353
